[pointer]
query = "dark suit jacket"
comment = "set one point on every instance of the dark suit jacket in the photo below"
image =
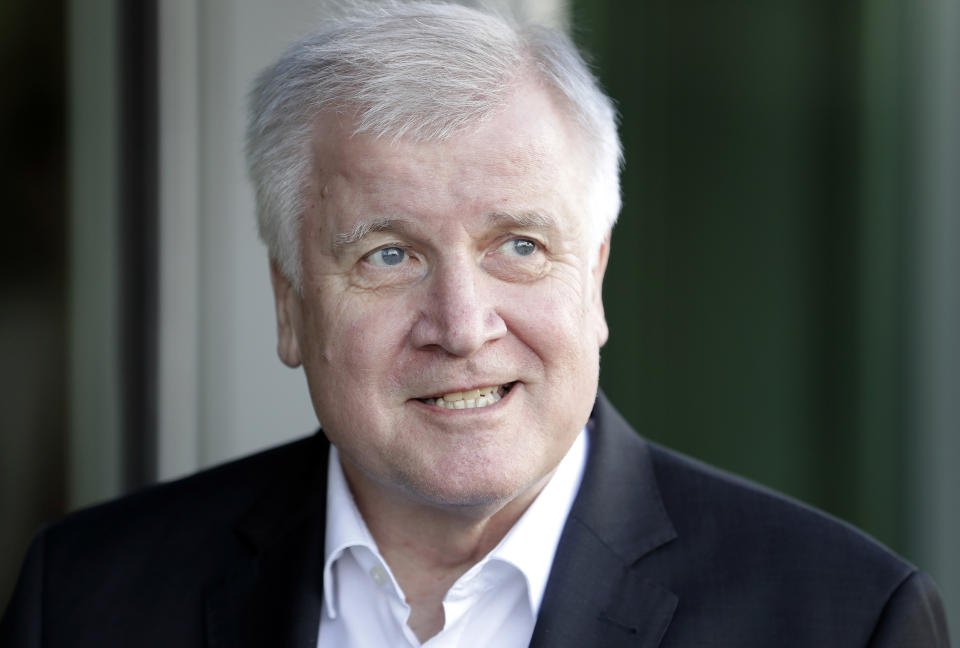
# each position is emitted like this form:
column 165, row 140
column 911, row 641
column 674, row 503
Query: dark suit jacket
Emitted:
column 658, row 550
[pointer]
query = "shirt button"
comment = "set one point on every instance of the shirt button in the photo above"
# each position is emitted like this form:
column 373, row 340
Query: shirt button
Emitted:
column 379, row 575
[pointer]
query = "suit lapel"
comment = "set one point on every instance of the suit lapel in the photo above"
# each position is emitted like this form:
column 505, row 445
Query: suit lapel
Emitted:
column 597, row 594
column 272, row 594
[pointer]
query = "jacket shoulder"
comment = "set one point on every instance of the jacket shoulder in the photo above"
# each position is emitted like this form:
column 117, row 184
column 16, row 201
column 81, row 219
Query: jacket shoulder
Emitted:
column 150, row 557
column 738, row 517
column 192, row 526
column 752, row 553
column 215, row 495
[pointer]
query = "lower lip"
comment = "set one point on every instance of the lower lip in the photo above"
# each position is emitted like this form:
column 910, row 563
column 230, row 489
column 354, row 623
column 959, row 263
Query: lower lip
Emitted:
column 473, row 410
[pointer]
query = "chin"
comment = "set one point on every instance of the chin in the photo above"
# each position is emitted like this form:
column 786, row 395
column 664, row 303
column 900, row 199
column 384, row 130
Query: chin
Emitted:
column 472, row 490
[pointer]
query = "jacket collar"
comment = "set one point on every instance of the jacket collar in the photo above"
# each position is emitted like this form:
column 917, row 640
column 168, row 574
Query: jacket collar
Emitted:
column 597, row 593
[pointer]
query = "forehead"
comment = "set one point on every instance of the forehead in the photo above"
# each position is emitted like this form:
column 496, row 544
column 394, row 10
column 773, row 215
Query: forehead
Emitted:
column 527, row 151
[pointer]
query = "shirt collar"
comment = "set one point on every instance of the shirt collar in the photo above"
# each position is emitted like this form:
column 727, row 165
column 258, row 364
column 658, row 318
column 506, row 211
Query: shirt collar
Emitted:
column 529, row 546
column 532, row 542
column 345, row 527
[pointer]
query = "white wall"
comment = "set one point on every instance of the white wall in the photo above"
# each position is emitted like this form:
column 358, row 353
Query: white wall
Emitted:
column 223, row 392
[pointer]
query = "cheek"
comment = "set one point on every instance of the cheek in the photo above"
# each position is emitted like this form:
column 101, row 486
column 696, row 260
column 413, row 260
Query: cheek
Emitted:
column 353, row 357
column 556, row 322
column 359, row 340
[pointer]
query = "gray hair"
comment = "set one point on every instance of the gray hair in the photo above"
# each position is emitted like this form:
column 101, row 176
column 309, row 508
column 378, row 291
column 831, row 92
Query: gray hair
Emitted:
column 419, row 70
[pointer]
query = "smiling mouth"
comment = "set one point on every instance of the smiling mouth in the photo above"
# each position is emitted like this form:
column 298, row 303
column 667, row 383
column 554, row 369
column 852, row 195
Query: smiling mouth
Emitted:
column 470, row 399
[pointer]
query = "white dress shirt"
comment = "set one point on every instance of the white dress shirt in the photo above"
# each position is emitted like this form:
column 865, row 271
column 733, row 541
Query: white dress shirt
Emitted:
column 495, row 603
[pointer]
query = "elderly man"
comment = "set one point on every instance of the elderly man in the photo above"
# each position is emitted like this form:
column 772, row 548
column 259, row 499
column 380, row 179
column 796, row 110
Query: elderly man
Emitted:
column 437, row 188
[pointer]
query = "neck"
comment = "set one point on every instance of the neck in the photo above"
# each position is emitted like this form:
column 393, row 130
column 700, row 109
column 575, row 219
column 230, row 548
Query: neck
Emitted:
column 429, row 547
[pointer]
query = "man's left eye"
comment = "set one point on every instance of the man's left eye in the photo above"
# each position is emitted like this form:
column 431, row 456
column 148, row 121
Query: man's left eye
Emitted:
column 386, row 257
column 519, row 247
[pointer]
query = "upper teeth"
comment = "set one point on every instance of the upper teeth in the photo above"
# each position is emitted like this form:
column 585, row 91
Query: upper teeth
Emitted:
column 468, row 399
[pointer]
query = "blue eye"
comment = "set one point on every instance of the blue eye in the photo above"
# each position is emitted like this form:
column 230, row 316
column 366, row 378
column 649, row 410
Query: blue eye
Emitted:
column 519, row 247
column 389, row 256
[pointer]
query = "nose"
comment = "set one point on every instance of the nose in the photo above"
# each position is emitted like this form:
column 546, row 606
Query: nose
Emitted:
column 459, row 314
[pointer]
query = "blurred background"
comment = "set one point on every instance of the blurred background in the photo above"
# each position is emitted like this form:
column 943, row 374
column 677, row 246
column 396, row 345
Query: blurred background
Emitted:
column 783, row 294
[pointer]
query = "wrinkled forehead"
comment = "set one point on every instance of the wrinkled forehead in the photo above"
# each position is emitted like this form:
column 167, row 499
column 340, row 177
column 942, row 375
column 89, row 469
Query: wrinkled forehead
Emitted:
column 530, row 132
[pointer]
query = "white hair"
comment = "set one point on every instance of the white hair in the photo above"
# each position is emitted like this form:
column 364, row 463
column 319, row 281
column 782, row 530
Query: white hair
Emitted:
column 419, row 70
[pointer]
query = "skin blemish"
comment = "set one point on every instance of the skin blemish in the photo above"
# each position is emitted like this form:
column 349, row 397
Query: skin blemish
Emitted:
column 324, row 192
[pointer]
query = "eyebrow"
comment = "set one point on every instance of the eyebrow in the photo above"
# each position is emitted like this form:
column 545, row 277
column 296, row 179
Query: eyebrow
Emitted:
column 525, row 220
column 361, row 230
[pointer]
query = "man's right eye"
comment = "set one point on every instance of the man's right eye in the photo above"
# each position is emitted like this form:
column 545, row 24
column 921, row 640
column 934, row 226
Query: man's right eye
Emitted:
column 385, row 257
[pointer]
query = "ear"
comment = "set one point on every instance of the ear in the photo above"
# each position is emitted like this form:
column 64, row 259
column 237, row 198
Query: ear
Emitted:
column 287, row 303
column 599, row 268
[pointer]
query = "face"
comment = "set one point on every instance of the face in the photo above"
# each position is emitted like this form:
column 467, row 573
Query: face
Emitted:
column 455, row 269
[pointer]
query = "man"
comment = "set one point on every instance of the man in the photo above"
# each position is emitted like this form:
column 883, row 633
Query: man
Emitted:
column 437, row 188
